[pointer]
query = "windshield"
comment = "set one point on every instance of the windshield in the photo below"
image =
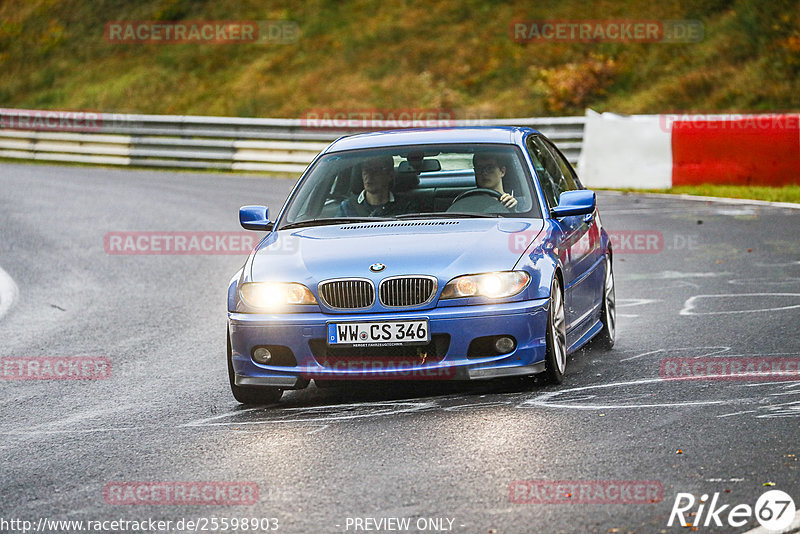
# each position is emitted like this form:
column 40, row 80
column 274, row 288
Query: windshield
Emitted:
column 430, row 181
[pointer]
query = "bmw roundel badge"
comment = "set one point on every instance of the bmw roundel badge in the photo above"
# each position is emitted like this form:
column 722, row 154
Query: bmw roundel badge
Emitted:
column 377, row 267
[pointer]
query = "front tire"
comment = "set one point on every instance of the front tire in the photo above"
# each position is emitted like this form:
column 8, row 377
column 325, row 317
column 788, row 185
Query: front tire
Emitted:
column 555, row 360
column 250, row 395
column 605, row 339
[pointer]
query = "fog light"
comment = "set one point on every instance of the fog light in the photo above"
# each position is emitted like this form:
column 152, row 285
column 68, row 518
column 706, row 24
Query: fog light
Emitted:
column 262, row 355
column 504, row 345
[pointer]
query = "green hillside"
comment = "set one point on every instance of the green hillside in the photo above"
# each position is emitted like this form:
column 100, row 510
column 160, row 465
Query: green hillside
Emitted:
column 400, row 54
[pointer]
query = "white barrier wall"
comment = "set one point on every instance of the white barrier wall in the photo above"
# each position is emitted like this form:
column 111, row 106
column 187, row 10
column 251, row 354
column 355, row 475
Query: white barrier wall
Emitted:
column 626, row 151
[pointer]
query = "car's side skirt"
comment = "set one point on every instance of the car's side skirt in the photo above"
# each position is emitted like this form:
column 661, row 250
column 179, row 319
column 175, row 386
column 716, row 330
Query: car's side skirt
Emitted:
column 585, row 338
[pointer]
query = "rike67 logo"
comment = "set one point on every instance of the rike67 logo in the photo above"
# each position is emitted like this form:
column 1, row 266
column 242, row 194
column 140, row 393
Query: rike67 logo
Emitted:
column 774, row 510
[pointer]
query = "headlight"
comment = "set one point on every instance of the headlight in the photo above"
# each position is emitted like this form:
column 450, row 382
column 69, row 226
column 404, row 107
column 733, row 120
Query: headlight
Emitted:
column 275, row 295
column 493, row 285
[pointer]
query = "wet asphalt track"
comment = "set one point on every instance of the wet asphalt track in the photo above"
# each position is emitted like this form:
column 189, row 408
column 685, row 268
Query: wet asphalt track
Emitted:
column 724, row 281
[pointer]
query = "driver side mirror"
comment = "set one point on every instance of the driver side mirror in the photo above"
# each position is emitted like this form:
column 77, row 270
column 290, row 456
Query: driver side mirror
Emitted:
column 580, row 202
column 255, row 218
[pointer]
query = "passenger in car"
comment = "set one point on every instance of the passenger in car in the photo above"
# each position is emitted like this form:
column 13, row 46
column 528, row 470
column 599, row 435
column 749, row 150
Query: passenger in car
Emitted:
column 489, row 173
column 377, row 199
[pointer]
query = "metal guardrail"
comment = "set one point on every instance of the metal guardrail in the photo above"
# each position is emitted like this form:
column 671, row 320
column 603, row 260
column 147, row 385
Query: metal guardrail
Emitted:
column 270, row 145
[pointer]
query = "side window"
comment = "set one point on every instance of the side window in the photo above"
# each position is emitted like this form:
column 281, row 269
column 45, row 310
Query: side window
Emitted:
column 570, row 178
column 550, row 176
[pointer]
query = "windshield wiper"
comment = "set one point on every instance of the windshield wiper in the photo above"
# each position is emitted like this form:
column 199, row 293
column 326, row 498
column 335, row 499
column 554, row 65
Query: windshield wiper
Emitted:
column 333, row 220
column 444, row 215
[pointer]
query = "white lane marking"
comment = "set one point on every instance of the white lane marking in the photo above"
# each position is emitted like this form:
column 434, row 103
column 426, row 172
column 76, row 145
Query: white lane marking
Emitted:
column 741, row 376
column 733, row 212
column 8, row 292
column 336, row 412
column 222, row 416
column 689, row 305
column 762, row 282
column 736, row 413
column 94, row 412
column 672, row 284
column 626, row 398
column 778, row 264
column 795, row 524
column 699, row 352
column 764, row 354
column 70, row 431
column 642, row 355
column 784, row 409
column 326, row 414
column 476, row 405
column 760, row 384
column 672, row 275
column 73, row 420
column 543, row 400
column 627, row 303
column 724, row 480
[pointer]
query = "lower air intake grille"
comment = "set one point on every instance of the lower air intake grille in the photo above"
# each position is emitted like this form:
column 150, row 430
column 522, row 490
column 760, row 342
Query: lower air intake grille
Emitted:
column 333, row 356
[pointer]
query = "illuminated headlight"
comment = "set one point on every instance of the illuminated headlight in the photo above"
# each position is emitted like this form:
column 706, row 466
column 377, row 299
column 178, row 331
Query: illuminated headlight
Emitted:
column 493, row 285
column 275, row 295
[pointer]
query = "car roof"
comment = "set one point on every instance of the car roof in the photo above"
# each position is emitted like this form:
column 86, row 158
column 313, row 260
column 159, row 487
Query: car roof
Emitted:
column 487, row 134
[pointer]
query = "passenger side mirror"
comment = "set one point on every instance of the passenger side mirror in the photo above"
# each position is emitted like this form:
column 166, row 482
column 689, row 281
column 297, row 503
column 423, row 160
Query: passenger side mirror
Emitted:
column 580, row 202
column 255, row 218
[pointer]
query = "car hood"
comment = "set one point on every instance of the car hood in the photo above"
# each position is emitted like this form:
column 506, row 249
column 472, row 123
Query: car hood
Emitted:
column 442, row 248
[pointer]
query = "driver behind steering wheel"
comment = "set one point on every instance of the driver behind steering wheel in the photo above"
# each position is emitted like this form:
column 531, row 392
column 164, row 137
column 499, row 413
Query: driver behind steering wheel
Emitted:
column 489, row 174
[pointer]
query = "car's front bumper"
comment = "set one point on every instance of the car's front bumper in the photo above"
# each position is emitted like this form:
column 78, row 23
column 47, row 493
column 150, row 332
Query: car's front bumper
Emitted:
column 305, row 335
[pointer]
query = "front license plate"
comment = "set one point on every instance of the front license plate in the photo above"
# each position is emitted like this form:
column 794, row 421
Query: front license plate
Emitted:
column 382, row 334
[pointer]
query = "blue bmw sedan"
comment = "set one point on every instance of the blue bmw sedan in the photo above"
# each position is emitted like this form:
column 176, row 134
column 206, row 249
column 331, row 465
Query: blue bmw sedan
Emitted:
column 440, row 254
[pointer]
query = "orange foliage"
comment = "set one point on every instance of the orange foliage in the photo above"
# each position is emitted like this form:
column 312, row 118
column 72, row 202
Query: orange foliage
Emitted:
column 571, row 86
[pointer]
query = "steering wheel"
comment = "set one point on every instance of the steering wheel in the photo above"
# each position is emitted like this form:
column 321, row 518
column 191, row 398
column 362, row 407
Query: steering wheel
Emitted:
column 475, row 200
column 478, row 191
